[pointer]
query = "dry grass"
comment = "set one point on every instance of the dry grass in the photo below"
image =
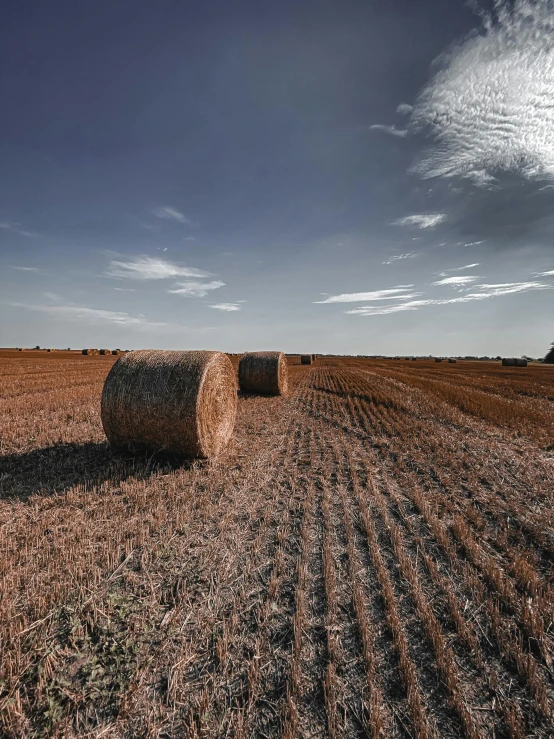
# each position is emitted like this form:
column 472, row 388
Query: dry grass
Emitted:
column 371, row 556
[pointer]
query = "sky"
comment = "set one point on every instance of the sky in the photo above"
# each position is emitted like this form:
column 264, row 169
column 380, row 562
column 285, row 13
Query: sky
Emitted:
column 348, row 177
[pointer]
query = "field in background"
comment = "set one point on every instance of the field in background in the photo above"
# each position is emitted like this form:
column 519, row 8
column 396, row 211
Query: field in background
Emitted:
column 372, row 556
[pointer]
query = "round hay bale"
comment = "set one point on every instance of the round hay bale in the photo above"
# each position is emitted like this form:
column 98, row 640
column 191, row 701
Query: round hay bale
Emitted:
column 306, row 359
column 314, row 357
column 264, row 372
column 115, row 352
column 104, row 352
column 520, row 362
column 182, row 403
column 438, row 359
column 452, row 361
column 508, row 362
column 87, row 352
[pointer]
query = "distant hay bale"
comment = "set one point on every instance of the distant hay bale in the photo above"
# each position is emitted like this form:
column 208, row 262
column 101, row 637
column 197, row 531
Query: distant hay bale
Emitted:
column 508, row 362
column 451, row 360
column 414, row 359
column 314, row 357
column 306, row 359
column 182, row 403
column 115, row 352
column 520, row 362
column 264, row 372
column 438, row 359
column 104, row 352
column 87, row 352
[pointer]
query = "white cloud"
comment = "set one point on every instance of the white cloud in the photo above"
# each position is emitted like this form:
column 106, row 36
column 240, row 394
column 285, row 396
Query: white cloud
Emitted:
column 26, row 269
column 429, row 220
column 457, row 280
column 396, row 257
column 166, row 212
column 548, row 273
column 196, row 289
column 484, row 292
column 96, row 316
column 16, row 228
column 391, row 293
column 151, row 268
column 229, row 307
column 125, row 289
column 391, row 130
column 489, row 106
column 473, row 243
column 404, row 109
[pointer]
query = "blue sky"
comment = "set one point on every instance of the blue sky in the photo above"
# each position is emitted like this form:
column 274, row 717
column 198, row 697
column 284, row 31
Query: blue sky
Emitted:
column 344, row 177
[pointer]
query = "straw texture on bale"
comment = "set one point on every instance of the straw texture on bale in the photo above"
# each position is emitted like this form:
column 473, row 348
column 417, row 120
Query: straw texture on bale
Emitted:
column 264, row 372
column 305, row 359
column 183, row 403
column 508, row 362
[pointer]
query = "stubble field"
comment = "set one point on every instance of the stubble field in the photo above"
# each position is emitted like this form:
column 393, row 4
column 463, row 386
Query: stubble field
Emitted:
column 372, row 556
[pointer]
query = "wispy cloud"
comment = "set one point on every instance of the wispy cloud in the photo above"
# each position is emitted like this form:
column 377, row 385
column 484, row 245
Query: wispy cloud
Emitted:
column 391, row 130
column 404, row 109
column 17, row 228
column 391, row 293
column 397, row 257
column 228, row 307
column 125, row 289
column 548, row 273
column 488, row 107
column 196, row 289
column 167, row 213
column 428, row 220
column 457, row 280
column 473, row 243
column 26, row 269
column 483, row 292
column 96, row 316
column 151, row 268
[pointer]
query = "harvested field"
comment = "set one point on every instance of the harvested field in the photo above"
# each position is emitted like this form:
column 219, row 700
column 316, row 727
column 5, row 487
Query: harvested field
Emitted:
column 371, row 556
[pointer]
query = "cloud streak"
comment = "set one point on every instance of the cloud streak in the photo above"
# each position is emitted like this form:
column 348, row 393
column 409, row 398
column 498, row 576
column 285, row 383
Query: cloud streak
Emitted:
column 196, row 289
column 457, row 280
column 391, row 130
column 227, row 307
column 151, row 268
column 489, row 107
column 483, row 292
column 96, row 316
column 17, row 229
column 167, row 213
column 397, row 257
column 391, row 293
column 429, row 220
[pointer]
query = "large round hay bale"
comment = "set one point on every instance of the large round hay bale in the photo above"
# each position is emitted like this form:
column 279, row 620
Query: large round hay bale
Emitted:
column 520, row 362
column 508, row 362
column 264, row 372
column 306, row 359
column 452, row 361
column 182, row 403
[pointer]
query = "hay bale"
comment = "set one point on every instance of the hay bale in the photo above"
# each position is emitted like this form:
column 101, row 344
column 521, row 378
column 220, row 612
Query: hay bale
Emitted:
column 306, row 359
column 115, row 352
column 182, row 403
column 508, row 362
column 520, row 362
column 438, row 359
column 451, row 360
column 414, row 359
column 264, row 372
column 104, row 352
column 87, row 352
column 314, row 357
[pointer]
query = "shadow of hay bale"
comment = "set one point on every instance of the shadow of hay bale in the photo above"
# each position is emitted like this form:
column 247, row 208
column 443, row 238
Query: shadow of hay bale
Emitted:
column 55, row 469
